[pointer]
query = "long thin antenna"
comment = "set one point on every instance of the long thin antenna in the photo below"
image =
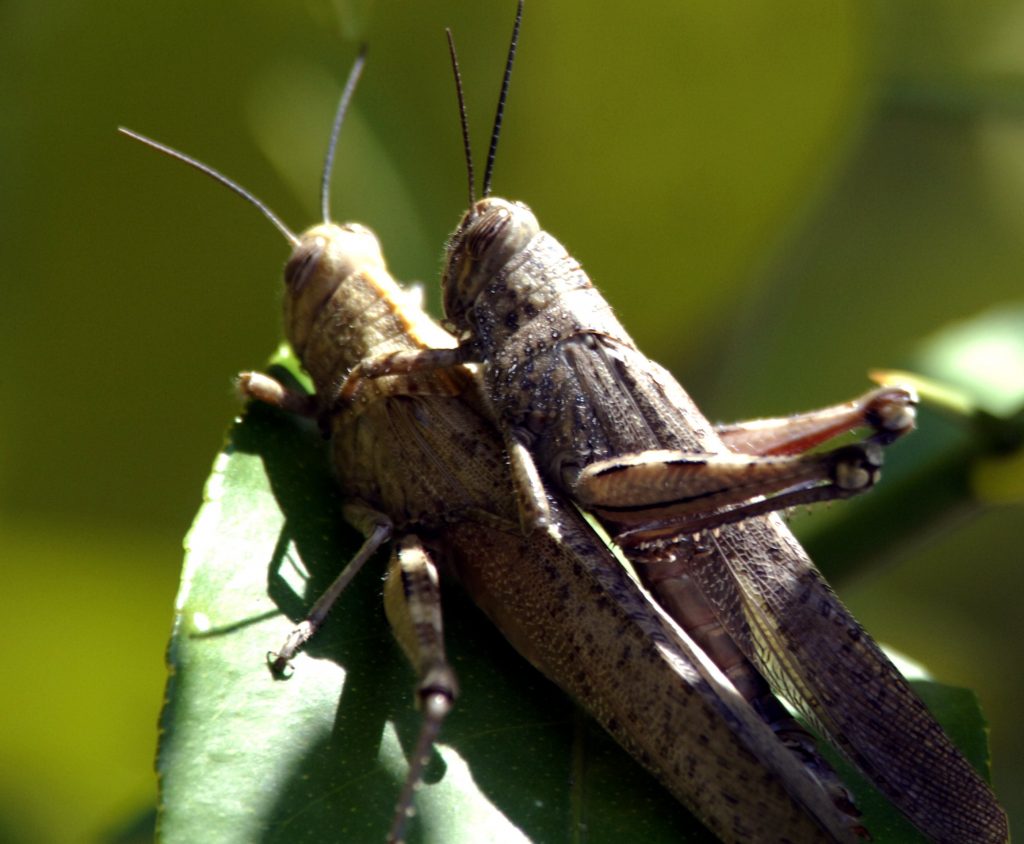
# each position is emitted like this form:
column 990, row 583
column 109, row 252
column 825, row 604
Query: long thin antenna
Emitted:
column 218, row 177
column 339, row 117
column 496, row 132
column 467, row 147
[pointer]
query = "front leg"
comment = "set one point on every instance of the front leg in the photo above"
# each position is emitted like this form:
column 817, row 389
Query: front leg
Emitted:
column 400, row 363
column 263, row 388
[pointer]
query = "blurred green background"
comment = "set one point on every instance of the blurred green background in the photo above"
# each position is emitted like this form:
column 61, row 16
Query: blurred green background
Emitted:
column 774, row 195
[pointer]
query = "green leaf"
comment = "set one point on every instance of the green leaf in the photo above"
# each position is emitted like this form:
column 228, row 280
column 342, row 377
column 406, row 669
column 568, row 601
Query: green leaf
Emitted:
column 320, row 756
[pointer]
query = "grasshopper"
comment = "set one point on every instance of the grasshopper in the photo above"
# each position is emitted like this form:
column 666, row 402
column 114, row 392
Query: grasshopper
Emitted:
column 560, row 597
column 692, row 506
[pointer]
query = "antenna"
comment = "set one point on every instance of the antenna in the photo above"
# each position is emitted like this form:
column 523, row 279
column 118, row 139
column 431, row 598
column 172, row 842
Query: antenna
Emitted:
column 339, row 117
column 218, row 177
column 467, row 147
column 500, row 113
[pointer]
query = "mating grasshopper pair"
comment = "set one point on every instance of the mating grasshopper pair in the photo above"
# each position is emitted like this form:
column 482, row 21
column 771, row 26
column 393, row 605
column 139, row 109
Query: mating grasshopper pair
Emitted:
column 581, row 410
column 582, row 415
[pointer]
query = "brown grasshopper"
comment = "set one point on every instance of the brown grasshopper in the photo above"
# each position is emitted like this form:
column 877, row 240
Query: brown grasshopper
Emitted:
column 692, row 506
column 422, row 466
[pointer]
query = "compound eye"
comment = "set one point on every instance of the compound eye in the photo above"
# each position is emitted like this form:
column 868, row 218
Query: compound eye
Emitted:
column 484, row 234
column 302, row 265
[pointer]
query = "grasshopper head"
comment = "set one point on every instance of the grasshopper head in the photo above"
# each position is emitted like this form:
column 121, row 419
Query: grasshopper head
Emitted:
column 326, row 257
column 491, row 233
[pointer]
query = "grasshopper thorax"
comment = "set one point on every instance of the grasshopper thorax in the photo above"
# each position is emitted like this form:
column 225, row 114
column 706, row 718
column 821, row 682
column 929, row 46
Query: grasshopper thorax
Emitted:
column 490, row 234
